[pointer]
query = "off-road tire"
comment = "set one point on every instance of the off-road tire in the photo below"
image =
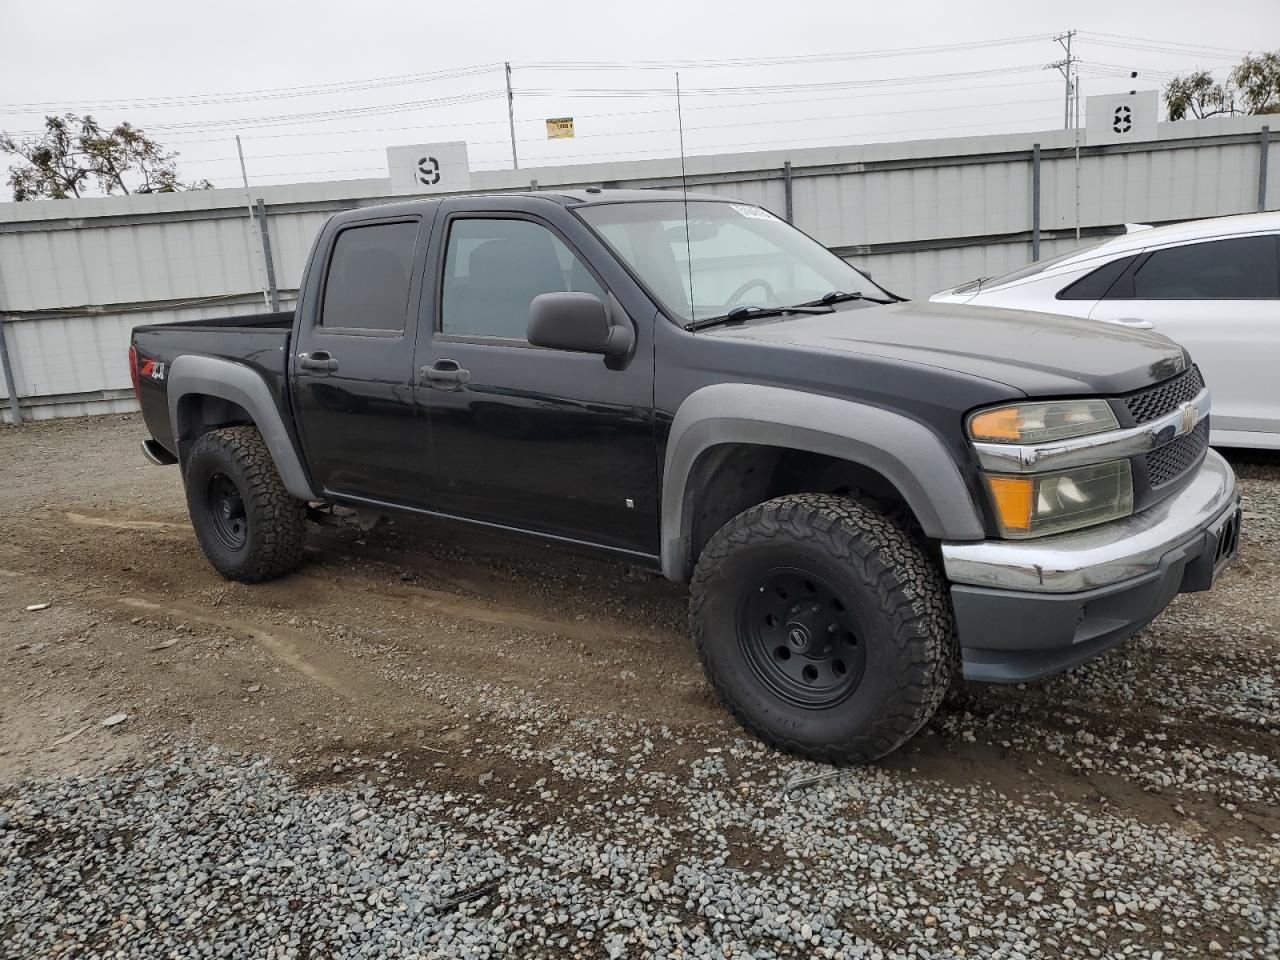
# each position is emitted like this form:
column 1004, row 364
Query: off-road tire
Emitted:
column 883, row 573
column 275, row 520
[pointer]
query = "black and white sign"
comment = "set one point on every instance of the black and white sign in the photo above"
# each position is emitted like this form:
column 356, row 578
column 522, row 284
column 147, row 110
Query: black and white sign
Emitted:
column 1121, row 117
column 429, row 168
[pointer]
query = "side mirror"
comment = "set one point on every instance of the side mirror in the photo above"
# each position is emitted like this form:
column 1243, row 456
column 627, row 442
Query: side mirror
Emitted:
column 577, row 321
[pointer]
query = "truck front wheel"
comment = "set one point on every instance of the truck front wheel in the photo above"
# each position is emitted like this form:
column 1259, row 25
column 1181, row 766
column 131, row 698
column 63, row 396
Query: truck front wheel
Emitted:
column 824, row 627
column 248, row 525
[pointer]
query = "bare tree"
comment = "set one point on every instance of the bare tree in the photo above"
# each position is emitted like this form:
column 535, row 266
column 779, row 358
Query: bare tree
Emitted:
column 75, row 153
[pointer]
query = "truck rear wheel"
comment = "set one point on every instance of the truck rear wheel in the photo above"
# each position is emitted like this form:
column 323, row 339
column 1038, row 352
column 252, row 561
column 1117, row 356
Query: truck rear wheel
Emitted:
column 247, row 524
column 824, row 627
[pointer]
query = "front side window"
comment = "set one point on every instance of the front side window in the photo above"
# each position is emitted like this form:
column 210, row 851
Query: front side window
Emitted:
column 494, row 268
column 1242, row 268
column 724, row 255
column 367, row 287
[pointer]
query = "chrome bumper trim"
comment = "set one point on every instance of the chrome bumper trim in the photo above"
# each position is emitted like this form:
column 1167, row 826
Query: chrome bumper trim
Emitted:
column 1101, row 555
column 1096, row 448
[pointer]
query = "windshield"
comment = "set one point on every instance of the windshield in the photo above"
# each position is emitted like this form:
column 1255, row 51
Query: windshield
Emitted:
column 726, row 255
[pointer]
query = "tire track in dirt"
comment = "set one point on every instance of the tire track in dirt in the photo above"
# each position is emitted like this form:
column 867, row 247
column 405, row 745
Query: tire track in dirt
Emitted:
column 438, row 602
column 289, row 647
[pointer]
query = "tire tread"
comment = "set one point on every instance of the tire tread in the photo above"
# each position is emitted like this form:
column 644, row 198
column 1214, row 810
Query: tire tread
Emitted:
column 912, row 593
column 277, row 519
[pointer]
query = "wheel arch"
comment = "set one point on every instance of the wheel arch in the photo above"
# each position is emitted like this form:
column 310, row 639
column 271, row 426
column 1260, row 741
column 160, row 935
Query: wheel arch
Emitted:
column 730, row 445
column 206, row 393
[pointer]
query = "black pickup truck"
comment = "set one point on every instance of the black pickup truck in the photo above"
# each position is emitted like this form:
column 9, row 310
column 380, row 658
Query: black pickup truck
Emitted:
column 865, row 494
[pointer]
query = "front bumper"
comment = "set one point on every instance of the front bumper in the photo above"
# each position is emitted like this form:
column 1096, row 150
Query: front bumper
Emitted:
column 1030, row 608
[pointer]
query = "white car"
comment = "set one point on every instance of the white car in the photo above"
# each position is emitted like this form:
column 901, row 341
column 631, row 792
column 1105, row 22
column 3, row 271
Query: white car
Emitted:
column 1211, row 285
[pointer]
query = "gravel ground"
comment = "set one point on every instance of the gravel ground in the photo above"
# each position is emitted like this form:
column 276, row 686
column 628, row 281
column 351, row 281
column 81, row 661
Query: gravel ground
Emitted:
column 431, row 744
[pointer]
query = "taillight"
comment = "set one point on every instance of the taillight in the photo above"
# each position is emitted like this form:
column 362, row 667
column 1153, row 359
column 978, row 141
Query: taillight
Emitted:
column 133, row 371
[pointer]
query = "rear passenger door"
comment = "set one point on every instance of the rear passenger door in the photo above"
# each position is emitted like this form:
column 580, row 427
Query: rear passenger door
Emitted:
column 1221, row 300
column 352, row 364
column 552, row 441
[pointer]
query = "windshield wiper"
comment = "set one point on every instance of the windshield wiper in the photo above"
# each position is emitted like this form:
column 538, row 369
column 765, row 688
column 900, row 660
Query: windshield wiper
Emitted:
column 742, row 314
column 839, row 296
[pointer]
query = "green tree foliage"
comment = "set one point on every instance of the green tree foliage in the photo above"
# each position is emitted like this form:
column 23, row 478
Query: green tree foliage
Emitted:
column 1252, row 87
column 75, row 155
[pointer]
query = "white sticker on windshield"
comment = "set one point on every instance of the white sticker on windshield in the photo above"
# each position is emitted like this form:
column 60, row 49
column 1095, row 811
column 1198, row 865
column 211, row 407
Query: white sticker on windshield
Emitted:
column 755, row 213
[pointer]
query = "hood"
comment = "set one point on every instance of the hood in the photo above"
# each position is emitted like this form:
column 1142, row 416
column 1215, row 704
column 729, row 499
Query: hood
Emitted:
column 1041, row 354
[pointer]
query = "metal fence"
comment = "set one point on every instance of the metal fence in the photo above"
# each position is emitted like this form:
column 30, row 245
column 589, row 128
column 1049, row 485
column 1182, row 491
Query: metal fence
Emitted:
column 77, row 275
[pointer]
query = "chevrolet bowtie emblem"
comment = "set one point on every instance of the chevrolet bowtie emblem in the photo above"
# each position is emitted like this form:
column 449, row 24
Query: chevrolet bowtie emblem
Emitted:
column 1188, row 418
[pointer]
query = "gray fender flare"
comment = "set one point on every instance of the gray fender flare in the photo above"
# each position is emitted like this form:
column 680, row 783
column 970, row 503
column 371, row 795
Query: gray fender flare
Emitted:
column 906, row 452
column 233, row 381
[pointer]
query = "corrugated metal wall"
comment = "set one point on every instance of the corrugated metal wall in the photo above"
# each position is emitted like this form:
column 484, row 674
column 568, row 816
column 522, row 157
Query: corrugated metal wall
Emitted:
column 77, row 275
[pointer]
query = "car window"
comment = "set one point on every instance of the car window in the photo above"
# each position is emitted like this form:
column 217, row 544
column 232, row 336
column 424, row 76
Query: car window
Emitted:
column 493, row 269
column 1242, row 268
column 1095, row 284
column 1040, row 266
column 367, row 287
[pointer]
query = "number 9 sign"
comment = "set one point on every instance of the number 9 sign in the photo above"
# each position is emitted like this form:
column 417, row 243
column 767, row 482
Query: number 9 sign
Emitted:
column 421, row 168
column 428, row 171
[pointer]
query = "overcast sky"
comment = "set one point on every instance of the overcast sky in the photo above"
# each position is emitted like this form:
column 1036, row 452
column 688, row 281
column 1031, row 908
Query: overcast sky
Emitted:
column 415, row 72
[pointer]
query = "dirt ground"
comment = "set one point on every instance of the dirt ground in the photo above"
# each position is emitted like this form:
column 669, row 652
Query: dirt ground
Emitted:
column 426, row 651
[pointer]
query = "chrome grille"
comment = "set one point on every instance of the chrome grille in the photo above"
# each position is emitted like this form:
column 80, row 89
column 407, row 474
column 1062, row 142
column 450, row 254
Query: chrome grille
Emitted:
column 1168, row 463
column 1165, row 397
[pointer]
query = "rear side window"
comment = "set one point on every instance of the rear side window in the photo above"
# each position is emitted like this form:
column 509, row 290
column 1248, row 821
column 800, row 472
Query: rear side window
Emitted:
column 494, row 268
column 367, row 287
column 1243, row 268
column 1094, row 286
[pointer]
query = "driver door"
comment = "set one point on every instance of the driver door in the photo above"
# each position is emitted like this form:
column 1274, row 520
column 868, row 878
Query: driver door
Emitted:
column 552, row 441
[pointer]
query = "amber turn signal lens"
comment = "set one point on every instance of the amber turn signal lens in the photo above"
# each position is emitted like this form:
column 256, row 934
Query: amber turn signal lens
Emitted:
column 1002, row 424
column 1012, row 497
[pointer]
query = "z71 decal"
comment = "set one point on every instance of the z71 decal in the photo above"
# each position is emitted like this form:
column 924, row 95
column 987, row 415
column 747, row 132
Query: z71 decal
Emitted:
column 153, row 369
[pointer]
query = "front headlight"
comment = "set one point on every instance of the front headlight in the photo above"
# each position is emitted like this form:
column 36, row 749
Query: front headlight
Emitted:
column 1040, row 422
column 1038, row 504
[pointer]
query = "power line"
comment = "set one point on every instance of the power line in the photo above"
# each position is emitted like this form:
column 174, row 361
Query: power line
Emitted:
column 612, row 134
column 448, row 125
column 1160, row 46
column 802, row 59
column 321, row 115
column 370, row 83
column 743, row 90
column 195, row 99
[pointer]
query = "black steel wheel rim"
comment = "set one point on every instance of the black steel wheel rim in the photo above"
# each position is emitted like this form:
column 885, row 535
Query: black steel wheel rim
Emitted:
column 226, row 510
column 800, row 638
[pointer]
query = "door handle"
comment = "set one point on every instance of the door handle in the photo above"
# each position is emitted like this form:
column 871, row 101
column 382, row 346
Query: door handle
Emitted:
column 445, row 375
column 1136, row 322
column 320, row 360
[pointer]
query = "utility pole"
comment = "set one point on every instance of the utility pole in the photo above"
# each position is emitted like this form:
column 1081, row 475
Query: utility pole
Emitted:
column 248, row 205
column 511, row 117
column 1066, row 67
column 1075, row 90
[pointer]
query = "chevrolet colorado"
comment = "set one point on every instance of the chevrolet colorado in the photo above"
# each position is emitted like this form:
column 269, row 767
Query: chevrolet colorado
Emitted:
column 865, row 494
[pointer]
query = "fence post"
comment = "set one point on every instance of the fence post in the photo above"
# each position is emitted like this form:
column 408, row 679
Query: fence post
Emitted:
column 1035, row 201
column 1265, row 144
column 8, row 376
column 786, row 190
column 266, row 256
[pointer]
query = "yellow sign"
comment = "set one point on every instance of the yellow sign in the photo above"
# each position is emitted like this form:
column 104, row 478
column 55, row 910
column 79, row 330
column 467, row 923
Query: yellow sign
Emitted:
column 560, row 128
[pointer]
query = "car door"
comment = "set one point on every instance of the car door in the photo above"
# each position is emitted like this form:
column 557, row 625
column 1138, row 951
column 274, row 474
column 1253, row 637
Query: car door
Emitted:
column 552, row 441
column 1221, row 300
column 352, row 368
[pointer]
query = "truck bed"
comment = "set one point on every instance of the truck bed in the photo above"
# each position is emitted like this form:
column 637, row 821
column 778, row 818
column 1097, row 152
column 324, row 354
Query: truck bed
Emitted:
column 279, row 319
column 257, row 340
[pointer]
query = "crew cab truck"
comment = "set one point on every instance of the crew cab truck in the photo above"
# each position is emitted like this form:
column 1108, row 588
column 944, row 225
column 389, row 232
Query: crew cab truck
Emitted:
column 866, row 495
